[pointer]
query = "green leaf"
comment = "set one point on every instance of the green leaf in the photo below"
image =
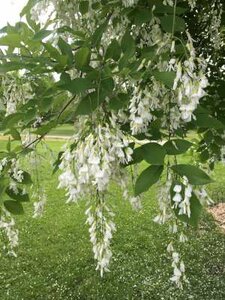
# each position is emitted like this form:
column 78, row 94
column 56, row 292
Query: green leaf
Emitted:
column 140, row 15
column 97, row 36
column 136, row 157
column 3, row 185
column 162, row 9
column 66, row 50
column 166, row 78
column 12, row 120
column 12, row 40
column 53, row 52
column 15, row 134
column 83, row 7
column 107, row 85
column 82, row 57
column 148, row 52
column 147, row 178
column 128, row 44
column 206, row 121
column 78, row 85
column 167, row 24
column 57, row 162
column 194, row 175
column 88, row 104
column 14, row 207
column 26, row 178
column 19, row 196
column 28, row 7
column 153, row 153
column 11, row 66
column 196, row 210
column 39, row 36
column 113, row 51
column 119, row 101
column 176, row 147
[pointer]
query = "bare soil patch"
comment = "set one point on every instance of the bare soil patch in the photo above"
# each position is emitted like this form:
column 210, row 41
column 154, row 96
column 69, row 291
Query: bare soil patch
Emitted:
column 218, row 212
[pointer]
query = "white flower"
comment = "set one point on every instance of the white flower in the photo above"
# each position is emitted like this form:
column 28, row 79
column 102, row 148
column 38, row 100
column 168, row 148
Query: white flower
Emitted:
column 177, row 198
column 177, row 188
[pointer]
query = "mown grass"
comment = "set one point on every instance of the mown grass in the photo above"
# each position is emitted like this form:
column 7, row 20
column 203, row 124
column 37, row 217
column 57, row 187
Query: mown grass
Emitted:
column 55, row 259
column 62, row 130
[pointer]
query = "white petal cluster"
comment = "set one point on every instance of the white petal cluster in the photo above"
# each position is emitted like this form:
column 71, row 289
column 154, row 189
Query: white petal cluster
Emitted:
column 192, row 3
column 181, row 199
column 178, row 267
column 94, row 162
column 215, row 25
column 203, row 196
column 39, row 205
column 87, row 170
column 101, row 229
column 168, row 2
column 142, row 104
column 164, row 201
column 7, row 226
column 3, row 163
column 190, row 83
column 65, row 13
column 128, row 3
column 15, row 171
column 15, row 92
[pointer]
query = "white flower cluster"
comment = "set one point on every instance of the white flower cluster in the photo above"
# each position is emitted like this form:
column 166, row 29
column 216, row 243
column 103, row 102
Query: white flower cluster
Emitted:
column 101, row 229
column 64, row 13
column 7, row 226
column 215, row 25
column 15, row 172
column 192, row 3
column 88, row 169
column 3, row 163
column 168, row 2
column 94, row 161
column 28, row 140
column 149, row 34
column 178, row 267
column 39, row 205
column 203, row 196
column 164, row 201
column 142, row 104
column 190, row 83
column 128, row 3
column 15, row 92
column 183, row 202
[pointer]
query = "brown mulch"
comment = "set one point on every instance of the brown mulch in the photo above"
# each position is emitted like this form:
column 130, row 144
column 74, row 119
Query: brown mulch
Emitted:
column 218, row 212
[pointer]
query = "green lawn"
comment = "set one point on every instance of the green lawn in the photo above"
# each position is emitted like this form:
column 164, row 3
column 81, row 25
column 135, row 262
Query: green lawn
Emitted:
column 62, row 130
column 55, row 259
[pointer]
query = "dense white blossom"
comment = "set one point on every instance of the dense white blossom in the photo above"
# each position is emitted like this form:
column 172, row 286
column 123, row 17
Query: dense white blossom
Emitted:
column 7, row 227
column 190, row 83
column 142, row 104
column 39, row 204
column 88, row 169
column 15, row 92
column 95, row 161
column 178, row 267
column 128, row 3
column 101, row 228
